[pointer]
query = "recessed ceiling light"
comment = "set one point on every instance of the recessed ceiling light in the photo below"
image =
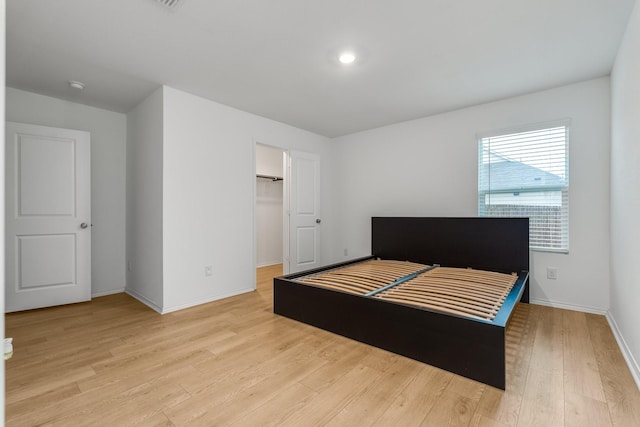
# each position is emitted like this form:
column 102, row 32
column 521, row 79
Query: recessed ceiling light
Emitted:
column 76, row 85
column 347, row 58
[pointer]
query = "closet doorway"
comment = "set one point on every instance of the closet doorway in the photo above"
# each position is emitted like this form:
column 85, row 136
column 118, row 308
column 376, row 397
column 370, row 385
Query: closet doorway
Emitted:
column 270, row 201
column 287, row 209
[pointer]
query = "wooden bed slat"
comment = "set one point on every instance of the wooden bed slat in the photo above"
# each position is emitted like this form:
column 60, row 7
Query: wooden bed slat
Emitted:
column 458, row 298
column 353, row 289
column 437, row 304
column 462, row 291
column 466, row 286
column 343, row 288
column 476, row 293
column 354, row 280
column 474, row 278
column 479, row 294
column 440, row 308
column 364, row 277
column 444, row 298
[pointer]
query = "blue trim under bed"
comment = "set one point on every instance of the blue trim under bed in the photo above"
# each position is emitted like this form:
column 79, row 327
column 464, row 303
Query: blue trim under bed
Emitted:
column 504, row 314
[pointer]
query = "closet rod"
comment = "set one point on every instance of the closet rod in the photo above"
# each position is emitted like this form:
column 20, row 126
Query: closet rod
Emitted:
column 273, row 178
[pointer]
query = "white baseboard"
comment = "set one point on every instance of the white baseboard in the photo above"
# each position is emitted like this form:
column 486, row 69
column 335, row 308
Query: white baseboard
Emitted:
column 105, row 293
column 624, row 348
column 268, row 263
column 564, row 306
column 203, row 301
column 166, row 310
column 143, row 300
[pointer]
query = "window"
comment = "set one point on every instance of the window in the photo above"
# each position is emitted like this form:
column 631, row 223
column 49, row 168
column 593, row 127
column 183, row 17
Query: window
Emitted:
column 525, row 173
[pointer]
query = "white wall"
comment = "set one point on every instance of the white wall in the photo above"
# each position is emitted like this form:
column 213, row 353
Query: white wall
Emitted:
column 269, row 206
column 428, row 167
column 108, row 176
column 144, row 201
column 269, row 161
column 208, row 195
column 625, row 194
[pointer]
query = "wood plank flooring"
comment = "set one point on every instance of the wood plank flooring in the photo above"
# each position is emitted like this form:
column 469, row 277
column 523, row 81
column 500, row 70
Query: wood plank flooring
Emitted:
column 115, row 362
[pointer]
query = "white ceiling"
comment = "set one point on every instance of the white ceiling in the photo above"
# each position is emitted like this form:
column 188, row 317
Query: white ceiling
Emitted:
column 278, row 58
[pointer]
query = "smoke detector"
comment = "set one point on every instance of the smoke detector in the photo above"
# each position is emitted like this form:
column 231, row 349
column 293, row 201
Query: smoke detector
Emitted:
column 76, row 84
column 171, row 4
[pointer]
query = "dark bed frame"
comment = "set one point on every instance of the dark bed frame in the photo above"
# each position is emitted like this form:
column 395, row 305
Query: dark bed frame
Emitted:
column 468, row 347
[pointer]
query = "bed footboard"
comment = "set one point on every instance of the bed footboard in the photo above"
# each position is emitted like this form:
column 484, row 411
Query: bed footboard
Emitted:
column 462, row 346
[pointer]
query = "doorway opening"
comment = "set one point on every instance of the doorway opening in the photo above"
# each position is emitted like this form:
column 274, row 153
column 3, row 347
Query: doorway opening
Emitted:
column 271, row 226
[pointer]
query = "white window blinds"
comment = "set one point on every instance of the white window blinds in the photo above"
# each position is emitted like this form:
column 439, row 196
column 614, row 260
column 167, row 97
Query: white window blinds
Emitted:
column 526, row 174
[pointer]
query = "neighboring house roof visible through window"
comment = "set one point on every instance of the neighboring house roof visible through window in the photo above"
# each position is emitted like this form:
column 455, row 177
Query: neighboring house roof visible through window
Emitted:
column 511, row 175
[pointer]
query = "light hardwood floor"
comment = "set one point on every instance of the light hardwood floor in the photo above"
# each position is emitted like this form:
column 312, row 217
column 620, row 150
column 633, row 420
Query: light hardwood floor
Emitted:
column 115, row 362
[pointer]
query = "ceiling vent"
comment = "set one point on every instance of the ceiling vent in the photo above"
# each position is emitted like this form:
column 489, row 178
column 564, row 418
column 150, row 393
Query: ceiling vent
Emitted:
column 170, row 4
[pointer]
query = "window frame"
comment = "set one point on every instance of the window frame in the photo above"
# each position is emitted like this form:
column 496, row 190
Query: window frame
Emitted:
column 563, row 189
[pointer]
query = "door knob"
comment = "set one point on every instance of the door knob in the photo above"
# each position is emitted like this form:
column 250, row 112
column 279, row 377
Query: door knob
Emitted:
column 318, row 221
column 84, row 225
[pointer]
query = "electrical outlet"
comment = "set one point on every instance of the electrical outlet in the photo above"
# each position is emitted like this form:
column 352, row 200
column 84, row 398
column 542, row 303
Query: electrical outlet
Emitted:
column 129, row 266
column 346, row 252
column 208, row 270
column 552, row 273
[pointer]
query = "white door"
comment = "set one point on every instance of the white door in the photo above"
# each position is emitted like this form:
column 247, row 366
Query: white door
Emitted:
column 304, row 206
column 48, row 216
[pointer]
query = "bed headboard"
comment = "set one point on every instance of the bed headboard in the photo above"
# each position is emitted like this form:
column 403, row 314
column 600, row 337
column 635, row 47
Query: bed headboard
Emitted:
column 496, row 244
